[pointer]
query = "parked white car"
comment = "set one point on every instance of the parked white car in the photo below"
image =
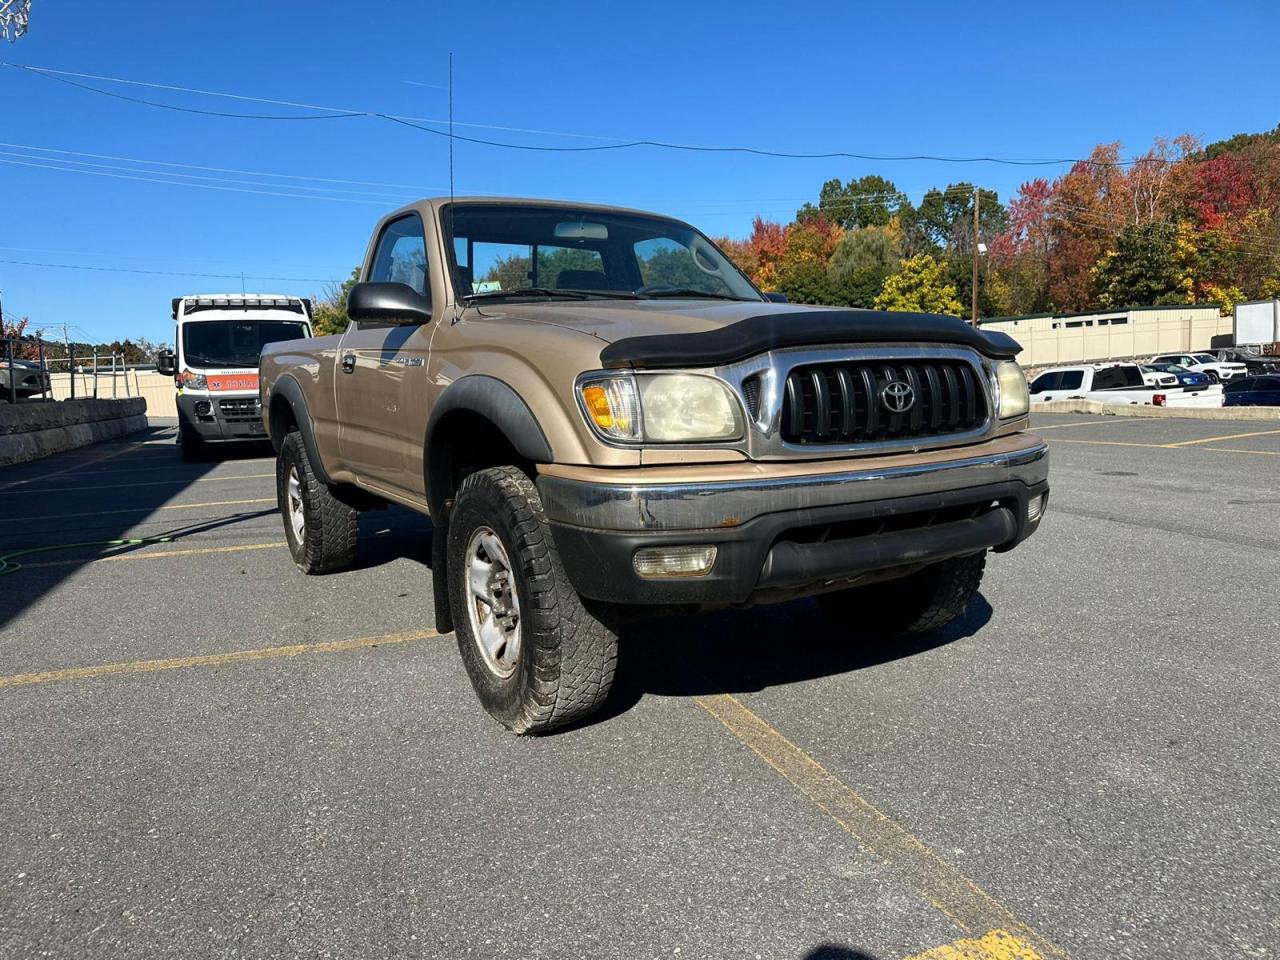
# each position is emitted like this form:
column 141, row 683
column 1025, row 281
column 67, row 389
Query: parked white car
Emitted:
column 1116, row 384
column 1158, row 378
column 1207, row 363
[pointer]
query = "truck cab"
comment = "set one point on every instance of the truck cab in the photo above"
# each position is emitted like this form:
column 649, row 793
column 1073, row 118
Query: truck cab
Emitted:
column 214, row 363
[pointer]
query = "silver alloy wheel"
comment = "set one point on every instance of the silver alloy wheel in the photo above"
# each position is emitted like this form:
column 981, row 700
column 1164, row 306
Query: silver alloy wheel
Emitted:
column 494, row 606
column 297, row 517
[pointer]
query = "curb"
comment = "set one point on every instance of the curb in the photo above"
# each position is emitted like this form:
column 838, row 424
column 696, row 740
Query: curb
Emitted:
column 1269, row 414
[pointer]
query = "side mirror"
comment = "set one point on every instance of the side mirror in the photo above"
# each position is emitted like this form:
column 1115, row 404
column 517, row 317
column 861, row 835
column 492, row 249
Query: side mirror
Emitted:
column 777, row 298
column 394, row 303
column 166, row 363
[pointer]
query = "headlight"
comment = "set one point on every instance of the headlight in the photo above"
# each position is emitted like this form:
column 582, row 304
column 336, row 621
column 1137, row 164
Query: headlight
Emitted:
column 1011, row 390
column 660, row 408
column 193, row 381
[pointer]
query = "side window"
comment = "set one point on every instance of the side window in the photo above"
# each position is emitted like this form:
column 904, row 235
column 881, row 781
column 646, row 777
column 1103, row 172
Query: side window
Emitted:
column 1046, row 381
column 1109, row 379
column 1071, row 380
column 1242, row 386
column 401, row 255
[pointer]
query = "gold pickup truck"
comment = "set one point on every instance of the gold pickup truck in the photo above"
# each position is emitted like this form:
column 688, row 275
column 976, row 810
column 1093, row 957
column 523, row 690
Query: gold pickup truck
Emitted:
column 604, row 418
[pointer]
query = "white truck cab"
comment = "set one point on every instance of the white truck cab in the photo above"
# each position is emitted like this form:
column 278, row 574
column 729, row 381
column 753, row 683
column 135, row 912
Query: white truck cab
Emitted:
column 1116, row 384
column 214, row 363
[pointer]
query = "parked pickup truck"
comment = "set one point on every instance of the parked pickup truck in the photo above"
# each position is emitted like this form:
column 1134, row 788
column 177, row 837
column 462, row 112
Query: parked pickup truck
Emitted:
column 1117, row 384
column 605, row 419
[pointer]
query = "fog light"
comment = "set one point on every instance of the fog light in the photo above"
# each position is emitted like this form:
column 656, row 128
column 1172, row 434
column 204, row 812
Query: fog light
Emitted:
column 1035, row 508
column 203, row 408
column 655, row 562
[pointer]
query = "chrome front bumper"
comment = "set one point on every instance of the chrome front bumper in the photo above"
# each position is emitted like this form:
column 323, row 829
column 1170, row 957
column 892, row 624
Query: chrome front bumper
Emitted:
column 728, row 504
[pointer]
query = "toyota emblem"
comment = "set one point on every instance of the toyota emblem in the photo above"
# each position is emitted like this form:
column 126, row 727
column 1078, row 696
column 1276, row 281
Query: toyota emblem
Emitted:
column 898, row 396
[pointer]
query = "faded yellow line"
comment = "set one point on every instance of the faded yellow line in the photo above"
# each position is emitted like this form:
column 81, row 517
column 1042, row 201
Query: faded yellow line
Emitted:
column 1229, row 436
column 154, row 555
column 1161, row 446
column 1260, row 453
column 994, row 945
column 212, row 660
column 1106, row 421
column 146, row 483
column 1110, row 443
column 169, row 506
column 973, row 909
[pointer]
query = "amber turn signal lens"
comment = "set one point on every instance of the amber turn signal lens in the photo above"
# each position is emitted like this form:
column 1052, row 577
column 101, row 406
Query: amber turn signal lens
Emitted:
column 598, row 406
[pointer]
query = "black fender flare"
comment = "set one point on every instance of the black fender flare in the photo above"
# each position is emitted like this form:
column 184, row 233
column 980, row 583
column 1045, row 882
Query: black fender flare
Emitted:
column 497, row 402
column 289, row 390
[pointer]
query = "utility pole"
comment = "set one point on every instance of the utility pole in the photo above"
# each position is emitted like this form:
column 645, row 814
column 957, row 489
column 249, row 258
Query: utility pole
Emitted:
column 974, row 320
column 71, row 360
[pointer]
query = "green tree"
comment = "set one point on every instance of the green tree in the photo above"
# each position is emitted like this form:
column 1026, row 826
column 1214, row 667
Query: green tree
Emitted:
column 919, row 286
column 870, row 201
column 860, row 263
column 1143, row 268
column 329, row 316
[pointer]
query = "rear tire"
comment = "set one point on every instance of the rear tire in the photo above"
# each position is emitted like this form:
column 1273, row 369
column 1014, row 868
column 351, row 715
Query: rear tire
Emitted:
column 927, row 600
column 320, row 528
column 538, row 659
column 190, row 444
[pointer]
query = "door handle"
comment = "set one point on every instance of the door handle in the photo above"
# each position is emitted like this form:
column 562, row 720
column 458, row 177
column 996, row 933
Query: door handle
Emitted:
column 349, row 363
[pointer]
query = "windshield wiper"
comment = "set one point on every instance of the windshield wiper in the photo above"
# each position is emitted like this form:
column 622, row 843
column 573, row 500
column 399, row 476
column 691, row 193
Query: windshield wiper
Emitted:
column 655, row 294
column 527, row 292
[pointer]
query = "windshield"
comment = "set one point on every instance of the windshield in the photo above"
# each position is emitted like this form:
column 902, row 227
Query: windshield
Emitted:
column 234, row 343
column 500, row 250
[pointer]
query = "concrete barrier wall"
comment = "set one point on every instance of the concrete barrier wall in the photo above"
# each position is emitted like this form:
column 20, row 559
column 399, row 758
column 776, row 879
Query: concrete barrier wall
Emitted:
column 31, row 430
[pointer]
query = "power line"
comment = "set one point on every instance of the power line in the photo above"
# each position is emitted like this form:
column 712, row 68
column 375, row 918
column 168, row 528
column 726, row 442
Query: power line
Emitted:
column 318, row 192
column 171, row 273
column 203, row 186
column 194, row 166
column 617, row 144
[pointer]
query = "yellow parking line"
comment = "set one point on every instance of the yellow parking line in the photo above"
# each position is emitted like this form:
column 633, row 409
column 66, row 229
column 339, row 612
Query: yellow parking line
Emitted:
column 155, row 555
column 995, row 945
column 212, row 660
column 168, row 506
column 1161, row 446
column 1261, row 453
column 969, row 906
column 147, row 483
column 1100, row 422
column 1110, row 443
column 1229, row 436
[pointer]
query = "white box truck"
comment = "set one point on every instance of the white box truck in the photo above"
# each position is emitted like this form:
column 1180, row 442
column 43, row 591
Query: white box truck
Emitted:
column 214, row 362
column 1256, row 322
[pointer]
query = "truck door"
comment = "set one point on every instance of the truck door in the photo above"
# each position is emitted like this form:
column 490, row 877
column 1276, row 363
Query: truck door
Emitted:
column 381, row 432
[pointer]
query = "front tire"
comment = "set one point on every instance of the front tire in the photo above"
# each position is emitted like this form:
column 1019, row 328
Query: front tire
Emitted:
column 537, row 658
column 1213, row 376
column 926, row 600
column 320, row 528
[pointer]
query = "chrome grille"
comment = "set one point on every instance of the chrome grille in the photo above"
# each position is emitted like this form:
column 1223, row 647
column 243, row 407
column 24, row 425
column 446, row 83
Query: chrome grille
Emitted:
column 835, row 403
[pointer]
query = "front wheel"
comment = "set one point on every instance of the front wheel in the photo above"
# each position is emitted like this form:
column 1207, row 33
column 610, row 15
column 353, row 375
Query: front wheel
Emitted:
column 320, row 528
column 1213, row 376
column 927, row 600
column 537, row 658
column 190, row 443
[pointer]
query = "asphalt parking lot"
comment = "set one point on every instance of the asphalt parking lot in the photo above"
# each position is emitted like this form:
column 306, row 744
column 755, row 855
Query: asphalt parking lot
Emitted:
column 206, row 754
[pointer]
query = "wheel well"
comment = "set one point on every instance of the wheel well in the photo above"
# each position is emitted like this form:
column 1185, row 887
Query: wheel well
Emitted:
column 282, row 420
column 462, row 443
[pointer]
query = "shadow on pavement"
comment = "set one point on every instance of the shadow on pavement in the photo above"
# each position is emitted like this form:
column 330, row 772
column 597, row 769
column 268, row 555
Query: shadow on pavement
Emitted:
column 94, row 494
column 833, row 951
column 742, row 651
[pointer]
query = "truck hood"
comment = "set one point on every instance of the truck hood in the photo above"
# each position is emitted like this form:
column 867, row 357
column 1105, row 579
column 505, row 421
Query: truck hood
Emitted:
column 679, row 332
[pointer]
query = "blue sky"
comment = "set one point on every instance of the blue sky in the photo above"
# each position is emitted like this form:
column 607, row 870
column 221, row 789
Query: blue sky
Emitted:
column 953, row 79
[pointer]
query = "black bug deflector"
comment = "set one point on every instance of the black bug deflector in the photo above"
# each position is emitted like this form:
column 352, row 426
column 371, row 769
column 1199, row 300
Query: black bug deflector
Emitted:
column 801, row 328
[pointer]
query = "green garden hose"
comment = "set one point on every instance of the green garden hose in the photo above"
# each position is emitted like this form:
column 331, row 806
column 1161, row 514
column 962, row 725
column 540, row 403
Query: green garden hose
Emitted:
column 9, row 565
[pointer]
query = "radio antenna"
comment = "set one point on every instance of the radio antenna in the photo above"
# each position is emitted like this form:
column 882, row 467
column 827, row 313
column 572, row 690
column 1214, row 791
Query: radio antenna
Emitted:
column 456, row 292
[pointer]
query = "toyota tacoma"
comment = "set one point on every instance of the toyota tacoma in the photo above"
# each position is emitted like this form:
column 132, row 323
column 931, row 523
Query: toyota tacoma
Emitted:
column 605, row 419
